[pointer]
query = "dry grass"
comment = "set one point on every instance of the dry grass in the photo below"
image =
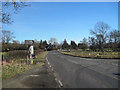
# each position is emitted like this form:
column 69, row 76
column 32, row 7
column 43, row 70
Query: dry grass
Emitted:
column 12, row 69
column 94, row 54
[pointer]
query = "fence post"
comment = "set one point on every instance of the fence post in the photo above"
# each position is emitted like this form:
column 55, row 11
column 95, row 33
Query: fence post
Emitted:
column 2, row 58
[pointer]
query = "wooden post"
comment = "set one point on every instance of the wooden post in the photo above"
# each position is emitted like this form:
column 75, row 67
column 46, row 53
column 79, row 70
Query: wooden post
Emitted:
column 27, row 54
column 27, row 59
column 2, row 58
column 30, row 58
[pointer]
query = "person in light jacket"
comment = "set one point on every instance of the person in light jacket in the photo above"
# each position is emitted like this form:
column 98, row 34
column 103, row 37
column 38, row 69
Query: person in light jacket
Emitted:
column 31, row 50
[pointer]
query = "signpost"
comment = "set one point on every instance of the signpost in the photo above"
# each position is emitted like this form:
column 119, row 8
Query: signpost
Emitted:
column 30, row 49
column 29, row 42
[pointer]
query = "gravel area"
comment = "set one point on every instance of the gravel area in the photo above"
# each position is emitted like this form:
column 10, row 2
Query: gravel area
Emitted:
column 39, row 77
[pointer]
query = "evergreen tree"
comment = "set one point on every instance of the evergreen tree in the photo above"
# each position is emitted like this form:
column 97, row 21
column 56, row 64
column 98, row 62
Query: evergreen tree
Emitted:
column 45, row 44
column 41, row 45
column 73, row 45
column 65, row 45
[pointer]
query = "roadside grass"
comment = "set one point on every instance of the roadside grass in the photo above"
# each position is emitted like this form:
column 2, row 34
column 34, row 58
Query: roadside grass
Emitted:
column 3, row 53
column 92, row 54
column 40, row 57
column 15, row 68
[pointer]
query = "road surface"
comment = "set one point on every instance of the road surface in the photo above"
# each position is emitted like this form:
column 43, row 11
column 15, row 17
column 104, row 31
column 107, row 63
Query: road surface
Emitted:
column 76, row 72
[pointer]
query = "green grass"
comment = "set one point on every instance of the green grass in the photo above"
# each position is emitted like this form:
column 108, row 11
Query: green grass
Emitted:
column 16, row 68
column 41, row 56
column 4, row 53
column 94, row 54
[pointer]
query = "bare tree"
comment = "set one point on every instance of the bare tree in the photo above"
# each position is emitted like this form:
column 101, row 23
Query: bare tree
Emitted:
column 7, row 36
column 116, row 36
column 9, row 8
column 54, row 42
column 100, row 33
column 84, row 41
column 114, row 39
column 92, row 43
column 36, row 41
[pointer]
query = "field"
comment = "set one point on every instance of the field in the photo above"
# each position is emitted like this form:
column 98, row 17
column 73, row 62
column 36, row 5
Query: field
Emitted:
column 93, row 54
column 15, row 68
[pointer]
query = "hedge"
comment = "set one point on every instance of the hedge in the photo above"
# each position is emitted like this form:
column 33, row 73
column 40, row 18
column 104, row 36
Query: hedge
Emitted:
column 18, row 54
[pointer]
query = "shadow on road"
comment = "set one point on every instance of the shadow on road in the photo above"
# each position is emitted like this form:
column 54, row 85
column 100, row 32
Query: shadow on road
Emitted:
column 117, row 74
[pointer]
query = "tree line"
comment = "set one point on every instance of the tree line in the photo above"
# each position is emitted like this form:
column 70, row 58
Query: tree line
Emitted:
column 100, row 40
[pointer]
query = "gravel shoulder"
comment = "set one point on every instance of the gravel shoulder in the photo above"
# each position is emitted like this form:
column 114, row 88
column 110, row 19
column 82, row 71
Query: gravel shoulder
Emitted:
column 40, row 77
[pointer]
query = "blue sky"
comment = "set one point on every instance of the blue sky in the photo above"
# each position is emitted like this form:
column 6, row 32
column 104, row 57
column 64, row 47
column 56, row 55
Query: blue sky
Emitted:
column 62, row 20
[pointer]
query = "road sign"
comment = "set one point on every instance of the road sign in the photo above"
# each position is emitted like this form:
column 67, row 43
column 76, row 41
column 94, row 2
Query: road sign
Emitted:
column 29, row 42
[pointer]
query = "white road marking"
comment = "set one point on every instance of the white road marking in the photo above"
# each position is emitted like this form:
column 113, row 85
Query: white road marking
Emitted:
column 60, row 83
column 92, row 68
column 34, row 75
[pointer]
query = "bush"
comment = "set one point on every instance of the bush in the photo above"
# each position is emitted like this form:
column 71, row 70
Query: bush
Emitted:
column 11, row 47
column 36, row 52
column 19, row 54
column 14, row 55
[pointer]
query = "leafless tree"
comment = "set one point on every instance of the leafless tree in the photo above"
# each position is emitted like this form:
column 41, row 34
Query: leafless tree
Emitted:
column 100, row 33
column 114, row 39
column 116, row 36
column 84, row 41
column 9, row 8
column 7, row 36
column 54, row 42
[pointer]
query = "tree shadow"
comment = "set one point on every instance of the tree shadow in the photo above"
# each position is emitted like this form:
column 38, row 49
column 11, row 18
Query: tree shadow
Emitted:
column 117, row 74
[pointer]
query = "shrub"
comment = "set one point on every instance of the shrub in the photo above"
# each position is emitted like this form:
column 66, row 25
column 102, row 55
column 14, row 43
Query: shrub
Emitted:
column 14, row 55
column 11, row 47
column 36, row 52
column 19, row 54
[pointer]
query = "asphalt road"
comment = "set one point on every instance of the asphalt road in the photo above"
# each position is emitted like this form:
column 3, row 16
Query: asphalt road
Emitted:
column 76, row 72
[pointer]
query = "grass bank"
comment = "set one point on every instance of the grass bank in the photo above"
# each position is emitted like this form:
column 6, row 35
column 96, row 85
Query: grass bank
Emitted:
column 92, row 54
column 15, row 68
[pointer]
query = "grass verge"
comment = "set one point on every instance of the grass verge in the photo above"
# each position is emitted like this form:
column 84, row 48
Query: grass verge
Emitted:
column 91, row 54
column 12, row 69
